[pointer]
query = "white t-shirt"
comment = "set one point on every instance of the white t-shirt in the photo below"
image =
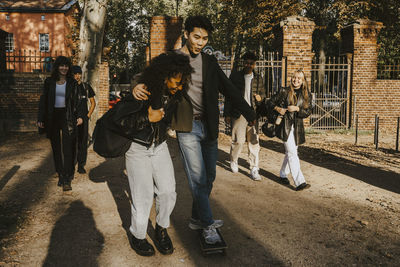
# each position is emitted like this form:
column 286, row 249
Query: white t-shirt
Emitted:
column 60, row 95
column 247, row 87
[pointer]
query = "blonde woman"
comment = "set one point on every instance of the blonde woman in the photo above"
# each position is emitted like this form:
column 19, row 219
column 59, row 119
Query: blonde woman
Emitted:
column 296, row 106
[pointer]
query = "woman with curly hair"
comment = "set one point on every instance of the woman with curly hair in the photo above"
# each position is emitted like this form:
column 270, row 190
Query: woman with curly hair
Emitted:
column 294, row 105
column 148, row 162
column 59, row 115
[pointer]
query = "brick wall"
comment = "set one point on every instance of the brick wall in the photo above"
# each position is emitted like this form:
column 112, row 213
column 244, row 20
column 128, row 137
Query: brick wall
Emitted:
column 19, row 98
column 370, row 96
column 165, row 34
column 103, row 89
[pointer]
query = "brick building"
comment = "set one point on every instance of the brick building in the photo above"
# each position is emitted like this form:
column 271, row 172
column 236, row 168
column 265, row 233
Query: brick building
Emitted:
column 30, row 33
column 40, row 28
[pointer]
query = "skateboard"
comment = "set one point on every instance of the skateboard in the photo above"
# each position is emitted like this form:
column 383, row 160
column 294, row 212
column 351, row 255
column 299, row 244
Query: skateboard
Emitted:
column 207, row 249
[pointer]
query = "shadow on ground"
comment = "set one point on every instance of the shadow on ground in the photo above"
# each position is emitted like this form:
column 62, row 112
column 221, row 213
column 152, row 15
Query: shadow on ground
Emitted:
column 111, row 171
column 75, row 240
column 375, row 176
column 243, row 250
column 20, row 197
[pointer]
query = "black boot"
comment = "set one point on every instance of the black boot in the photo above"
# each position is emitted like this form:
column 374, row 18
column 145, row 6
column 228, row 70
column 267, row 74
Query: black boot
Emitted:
column 141, row 246
column 60, row 180
column 81, row 169
column 67, row 185
column 163, row 242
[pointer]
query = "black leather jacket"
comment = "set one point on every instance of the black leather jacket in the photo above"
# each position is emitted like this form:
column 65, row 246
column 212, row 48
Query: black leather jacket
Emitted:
column 132, row 120
column 290, row 118
column 72, row 104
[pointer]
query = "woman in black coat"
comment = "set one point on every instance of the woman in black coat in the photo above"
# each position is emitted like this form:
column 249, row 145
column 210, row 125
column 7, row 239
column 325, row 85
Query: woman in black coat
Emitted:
column 59, row 114
column 293, row 104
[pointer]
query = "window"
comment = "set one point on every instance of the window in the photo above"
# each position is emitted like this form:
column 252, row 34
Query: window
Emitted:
column 7, row 17
column 10, row 42
column 44, row 45
column 43, row 17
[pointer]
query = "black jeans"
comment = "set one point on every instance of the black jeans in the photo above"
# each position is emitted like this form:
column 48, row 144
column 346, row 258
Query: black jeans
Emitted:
column 63, row 146
column 83, row 134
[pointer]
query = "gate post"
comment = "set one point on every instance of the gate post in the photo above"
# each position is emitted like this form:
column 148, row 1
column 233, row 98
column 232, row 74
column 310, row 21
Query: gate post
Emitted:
column 360, row 39
column 297, row 47
column 297, row 44
column 165, row 34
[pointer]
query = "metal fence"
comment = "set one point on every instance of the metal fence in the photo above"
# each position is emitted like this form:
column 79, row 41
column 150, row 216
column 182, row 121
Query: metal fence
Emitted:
column 330, row 86
column 389, row 71
column 271, row 68
column 31, row 60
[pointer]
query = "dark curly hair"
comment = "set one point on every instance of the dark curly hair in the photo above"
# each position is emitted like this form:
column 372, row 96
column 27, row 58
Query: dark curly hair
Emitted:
column 200, row 22
column 162, row 67
column 61, row 60
column 249, row 56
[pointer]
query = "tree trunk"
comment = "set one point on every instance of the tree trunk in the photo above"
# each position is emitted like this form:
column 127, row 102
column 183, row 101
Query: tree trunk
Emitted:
column 91, row 46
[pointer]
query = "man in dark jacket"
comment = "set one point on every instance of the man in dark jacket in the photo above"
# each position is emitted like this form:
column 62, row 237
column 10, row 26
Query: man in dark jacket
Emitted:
column 196, row 122
column 250, row 86
column 87, row 94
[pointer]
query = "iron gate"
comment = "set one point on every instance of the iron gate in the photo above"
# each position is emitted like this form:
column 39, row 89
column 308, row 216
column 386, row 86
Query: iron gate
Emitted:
column 330, row 87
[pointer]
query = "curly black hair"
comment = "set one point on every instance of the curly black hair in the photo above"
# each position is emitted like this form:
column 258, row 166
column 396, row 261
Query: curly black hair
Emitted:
column 200, row 22
column 162, row 67
column 249, row 55
column 61, row 60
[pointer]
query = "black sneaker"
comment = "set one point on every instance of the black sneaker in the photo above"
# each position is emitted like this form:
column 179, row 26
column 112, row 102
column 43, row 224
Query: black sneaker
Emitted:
column 163, row 242
column 81, row 169
column 141, row 246
column 303, row 186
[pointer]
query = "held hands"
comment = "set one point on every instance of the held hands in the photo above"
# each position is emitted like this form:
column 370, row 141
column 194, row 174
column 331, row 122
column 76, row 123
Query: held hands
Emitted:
column 293, row 108
column 79, row 121
column 155, row 115
column 140, row 92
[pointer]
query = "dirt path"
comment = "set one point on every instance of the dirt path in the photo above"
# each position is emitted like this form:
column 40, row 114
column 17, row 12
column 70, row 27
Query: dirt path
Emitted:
column 349, row 217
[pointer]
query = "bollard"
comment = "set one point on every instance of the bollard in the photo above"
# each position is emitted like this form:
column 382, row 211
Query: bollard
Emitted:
column 377, row 132
column 356, row 129
column 397, row 134
column 376, row 120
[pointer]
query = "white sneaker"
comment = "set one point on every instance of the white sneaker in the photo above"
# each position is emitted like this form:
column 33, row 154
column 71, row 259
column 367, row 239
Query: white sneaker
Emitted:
column 211, row 235
column 234, row 167
column 255, row 175
column 196, row 224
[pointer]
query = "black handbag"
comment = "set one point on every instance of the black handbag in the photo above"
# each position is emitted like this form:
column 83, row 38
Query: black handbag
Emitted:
column 269, row 129
column 108, row 143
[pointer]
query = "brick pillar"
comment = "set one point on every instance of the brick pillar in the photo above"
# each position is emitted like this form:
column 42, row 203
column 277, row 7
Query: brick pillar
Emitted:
column 165, row 34
column 297, row 43
column 101, row 88
column 360, row 39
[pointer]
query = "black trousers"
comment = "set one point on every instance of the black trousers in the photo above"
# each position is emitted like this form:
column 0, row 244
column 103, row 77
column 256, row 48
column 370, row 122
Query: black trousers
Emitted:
column 83, row 134
column 63, row 145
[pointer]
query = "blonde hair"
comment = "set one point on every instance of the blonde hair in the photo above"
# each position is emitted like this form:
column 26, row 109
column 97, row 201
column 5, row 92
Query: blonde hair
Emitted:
column 304, row 90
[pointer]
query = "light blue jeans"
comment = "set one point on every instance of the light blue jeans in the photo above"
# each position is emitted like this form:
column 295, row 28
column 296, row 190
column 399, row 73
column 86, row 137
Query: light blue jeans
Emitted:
column 199, row 159
column 150, row 171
